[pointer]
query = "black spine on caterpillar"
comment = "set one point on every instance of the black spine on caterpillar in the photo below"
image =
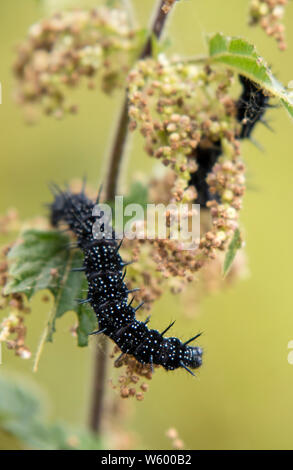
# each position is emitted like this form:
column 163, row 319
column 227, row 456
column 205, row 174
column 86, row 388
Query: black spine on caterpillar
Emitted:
column 250, row 109
column 251, row 106
column 108, row 293
column 206, row 157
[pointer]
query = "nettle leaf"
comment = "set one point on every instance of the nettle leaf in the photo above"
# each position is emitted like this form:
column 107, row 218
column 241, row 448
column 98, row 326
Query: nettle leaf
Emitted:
column 158, row 46
column 86, row 319
column 234, row 246
column 138, row 194
column 73, row 286
column 241, row 56
column 22, row 416
column 43, row 260
column 38, row 262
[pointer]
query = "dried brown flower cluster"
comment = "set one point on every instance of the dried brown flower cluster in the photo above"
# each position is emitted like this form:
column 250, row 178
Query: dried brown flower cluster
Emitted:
column 173, row 435
column 61, row 50
column 167, row 5
column 228, row 180
column 143, row 273
column 13, row 331
column 129, row 381
column 12, row 327
column 9, row 222
column 269, row 14
column 176, row 105
column 162, row 263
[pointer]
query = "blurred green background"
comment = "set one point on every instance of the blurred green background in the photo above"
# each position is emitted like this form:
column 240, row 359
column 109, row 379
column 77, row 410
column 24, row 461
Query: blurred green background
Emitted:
column 242, row 397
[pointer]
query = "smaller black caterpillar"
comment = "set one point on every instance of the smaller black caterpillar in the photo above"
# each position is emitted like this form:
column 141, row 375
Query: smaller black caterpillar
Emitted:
column 108, row 293
column 250, row 109
column 206, row 157
column 251, row 106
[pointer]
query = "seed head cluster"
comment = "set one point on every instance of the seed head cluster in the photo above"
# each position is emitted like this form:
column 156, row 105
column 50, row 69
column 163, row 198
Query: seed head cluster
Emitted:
column 162, row 262
column 14, row 306
column 179, row 108
column 129, row 382
column 167, row 5
column 176, row 105
column 269, row 14
column 62, row 50
column 176, row 442
column 12, row 327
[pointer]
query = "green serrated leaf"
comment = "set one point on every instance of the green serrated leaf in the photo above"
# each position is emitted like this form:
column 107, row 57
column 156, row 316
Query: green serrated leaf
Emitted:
column 234, row 246
column 42, row 260
column 217, row 44
column 86, row 320
column 156, row 47
column 288, row 107
column 159, row 47
column 138, row 194
column 70, row 288
column 241, row 56
column 33, row 260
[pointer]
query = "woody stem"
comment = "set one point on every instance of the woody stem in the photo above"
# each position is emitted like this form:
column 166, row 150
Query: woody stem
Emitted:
column 112, row 181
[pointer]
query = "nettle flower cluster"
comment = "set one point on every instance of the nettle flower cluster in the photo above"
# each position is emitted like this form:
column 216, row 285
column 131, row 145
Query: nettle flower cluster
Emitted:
column 178, row 105
column 167, row 5
column 131, row 383
column 269, row 14
column 15, row 305
column 162, row 263
column 12, row 328
column 62, row 50
column 184, row 111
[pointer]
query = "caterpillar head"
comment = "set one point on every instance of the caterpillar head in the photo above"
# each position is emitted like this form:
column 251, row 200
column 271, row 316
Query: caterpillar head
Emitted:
column 192, row 357
column 65, row 203
column 58, row 210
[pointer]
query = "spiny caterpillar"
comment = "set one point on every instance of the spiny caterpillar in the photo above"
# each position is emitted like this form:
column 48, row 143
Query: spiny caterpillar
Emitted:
column 206, row 158
column 251, row 106
column 250, row 109
column 108, row 293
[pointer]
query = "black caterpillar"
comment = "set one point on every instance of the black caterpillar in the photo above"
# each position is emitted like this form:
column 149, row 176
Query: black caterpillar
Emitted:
column 251, row 106
column 108, row 293
column 206, row 157
column 250, row 109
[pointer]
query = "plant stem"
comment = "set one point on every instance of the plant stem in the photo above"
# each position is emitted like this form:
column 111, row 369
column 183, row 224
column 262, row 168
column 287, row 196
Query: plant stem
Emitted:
column 116, row 153
column 120, row 139
column 112, row 181
column 99, row 385
column 156, row 29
